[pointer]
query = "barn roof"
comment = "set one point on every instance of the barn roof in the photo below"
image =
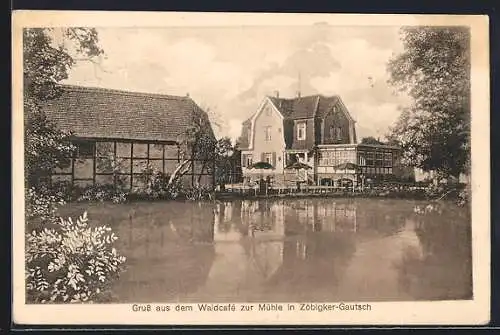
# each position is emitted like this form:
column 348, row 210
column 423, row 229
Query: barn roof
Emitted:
column 107, row 113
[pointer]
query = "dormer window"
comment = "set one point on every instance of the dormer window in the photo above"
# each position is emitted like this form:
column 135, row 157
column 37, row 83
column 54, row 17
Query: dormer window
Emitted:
column 301, row 131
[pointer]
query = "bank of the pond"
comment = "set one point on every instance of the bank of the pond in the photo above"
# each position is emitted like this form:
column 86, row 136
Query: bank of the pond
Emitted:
column 390, row 195
column 416, row 195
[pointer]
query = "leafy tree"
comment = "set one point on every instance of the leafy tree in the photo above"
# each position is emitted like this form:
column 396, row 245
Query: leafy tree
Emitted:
column 45, row 63
column 197, row 146
column 434, row 70
column 370, row 140
column 66, row 261
column 227, row 161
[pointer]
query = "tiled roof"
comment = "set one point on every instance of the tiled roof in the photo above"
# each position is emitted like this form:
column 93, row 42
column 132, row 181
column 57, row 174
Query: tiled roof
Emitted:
column 325, row 104
column 304, row 107
column 107, row 113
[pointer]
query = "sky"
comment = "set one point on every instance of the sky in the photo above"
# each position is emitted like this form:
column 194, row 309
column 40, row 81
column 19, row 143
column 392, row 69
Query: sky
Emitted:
column 229, row 70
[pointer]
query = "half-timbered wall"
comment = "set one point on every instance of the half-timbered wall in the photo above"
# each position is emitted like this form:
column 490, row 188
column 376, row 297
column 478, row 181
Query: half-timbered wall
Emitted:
column 123, row 163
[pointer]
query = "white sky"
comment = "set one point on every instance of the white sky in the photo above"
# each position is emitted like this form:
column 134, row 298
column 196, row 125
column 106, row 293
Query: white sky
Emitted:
column 230, row 70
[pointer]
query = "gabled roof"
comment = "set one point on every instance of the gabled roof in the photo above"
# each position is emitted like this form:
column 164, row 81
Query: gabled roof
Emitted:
column 107, row 113
column 325, row 105
column 297, row 108
column 305, row 107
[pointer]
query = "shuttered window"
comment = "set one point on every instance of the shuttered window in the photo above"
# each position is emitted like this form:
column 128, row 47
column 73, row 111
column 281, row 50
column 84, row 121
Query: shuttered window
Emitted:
column 246, row 160
column 268, row 157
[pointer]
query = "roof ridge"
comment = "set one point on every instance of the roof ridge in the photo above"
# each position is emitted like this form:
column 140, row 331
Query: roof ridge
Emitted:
column 319, row 95
column 122, row 92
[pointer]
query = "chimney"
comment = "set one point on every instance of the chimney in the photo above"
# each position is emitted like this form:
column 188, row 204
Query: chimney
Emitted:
column 298, row 94
column 187, row 94
column 277, row 93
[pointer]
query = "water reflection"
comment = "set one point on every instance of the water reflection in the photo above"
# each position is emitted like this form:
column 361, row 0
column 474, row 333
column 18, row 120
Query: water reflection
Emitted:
column 290, row 250
column 294, row 250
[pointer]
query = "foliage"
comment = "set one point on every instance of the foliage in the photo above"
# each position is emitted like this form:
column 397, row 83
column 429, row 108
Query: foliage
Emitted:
column 46, row 147
column 157, row 185
column 197, row 144
column 434, row 190
column 65, row 261
column 45, row 63
column 464, row 196
column 101, row 193
column 370, row 140
column 226, row 156
column 40, row 203
column 198, row 192
column 434, row 70
column 70, row 262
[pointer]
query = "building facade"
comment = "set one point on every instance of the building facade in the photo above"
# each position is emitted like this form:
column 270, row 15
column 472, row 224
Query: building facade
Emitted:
column 119, row 134
column 318, row 131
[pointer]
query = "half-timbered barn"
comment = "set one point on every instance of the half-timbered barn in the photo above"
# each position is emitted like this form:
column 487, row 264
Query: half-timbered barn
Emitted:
column 118, row 133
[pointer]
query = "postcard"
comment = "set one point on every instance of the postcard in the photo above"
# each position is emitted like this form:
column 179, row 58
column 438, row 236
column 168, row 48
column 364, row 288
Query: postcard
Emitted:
column 179, row 168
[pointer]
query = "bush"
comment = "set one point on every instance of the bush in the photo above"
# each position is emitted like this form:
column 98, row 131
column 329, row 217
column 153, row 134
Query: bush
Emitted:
column 62, row 190
column 155, row 183
column 42, row 204
column 198, row 192
column 70, row 262
column 101, row 193
column 464, row 196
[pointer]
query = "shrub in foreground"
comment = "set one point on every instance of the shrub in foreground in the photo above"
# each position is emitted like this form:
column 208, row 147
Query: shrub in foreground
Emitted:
column 70, row 261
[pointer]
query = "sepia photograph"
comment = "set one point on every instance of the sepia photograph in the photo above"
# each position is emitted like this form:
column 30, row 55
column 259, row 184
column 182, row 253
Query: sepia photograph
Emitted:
column 201, row 168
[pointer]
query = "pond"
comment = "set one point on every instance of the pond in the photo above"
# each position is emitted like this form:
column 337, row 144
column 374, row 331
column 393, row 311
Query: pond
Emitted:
column 288, row 250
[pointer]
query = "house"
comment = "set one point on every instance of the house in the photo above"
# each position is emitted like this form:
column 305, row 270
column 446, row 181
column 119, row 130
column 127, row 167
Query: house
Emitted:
column 119, row 133
column 316, row 130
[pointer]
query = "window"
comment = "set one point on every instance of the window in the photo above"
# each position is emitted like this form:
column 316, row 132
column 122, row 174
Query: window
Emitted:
column 361, row 158
column 104, row 149
column 332, row 132
column 268, row 133
column 379, row 159
column 388, row 159
column 338, row 133
column 301, row 131
column 246, row 160
column 370, row 159
column 268, row 111
column 268, row 158
column 85, row 149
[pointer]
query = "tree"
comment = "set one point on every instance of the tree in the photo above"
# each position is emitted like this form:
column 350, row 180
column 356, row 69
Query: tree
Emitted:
column 226, row 162
column 59, row 267
column 197, row 146
column 370, row 140
column 45, row 63
column 434, row 70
